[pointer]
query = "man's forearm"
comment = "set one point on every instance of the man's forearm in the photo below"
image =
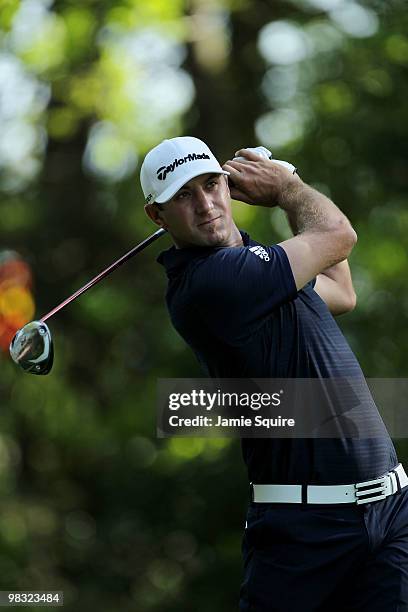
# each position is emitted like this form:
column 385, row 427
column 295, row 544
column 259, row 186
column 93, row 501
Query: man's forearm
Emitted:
column 340, row 273
column 335, row 287
column 309, row 210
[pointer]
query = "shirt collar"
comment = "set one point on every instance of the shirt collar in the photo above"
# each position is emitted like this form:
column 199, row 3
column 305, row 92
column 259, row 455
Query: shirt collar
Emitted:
column 175, row 260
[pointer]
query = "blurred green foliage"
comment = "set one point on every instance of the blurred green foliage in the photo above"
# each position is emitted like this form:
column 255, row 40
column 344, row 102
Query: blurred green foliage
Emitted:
column 92, row 503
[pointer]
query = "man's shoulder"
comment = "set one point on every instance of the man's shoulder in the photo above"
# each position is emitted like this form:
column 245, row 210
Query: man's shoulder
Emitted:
column 238, row 269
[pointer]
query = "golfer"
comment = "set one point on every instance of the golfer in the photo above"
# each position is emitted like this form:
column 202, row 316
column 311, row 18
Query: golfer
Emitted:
column 251, row 310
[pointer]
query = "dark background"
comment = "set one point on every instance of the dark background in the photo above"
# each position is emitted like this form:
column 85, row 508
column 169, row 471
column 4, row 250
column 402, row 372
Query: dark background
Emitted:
column 92, row 502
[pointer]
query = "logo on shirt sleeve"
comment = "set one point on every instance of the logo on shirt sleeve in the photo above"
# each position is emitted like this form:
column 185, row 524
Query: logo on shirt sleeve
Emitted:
column 260, row 252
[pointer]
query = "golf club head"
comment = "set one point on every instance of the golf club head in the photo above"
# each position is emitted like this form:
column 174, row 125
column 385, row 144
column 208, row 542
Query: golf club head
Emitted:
column 32, row 349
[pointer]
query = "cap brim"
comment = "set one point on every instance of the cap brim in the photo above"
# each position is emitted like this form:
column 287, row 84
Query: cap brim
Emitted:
column 174, row 187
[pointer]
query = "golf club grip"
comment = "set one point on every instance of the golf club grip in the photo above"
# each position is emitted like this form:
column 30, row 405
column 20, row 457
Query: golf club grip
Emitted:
column 139, row 247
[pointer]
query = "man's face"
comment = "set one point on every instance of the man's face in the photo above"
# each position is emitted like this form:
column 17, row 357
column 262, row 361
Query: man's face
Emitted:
column 199, row 214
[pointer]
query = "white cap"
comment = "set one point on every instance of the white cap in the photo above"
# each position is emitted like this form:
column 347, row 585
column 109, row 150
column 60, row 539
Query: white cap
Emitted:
column 171, row 164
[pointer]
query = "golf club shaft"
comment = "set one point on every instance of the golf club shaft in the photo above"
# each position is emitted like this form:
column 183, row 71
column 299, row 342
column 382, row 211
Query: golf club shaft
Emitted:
column 104, row 273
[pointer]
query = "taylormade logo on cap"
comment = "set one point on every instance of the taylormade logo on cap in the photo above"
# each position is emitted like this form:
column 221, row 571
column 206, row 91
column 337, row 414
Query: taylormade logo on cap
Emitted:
column 172, row 164
column 164, row 170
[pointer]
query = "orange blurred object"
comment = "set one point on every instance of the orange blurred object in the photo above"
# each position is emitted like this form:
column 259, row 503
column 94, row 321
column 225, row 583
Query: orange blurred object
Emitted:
column 16, row 304
column 16, row 301
column 15, row 272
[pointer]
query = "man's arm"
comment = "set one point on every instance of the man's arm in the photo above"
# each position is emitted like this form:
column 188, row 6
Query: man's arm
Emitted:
column 325, row 236
column 335, row 287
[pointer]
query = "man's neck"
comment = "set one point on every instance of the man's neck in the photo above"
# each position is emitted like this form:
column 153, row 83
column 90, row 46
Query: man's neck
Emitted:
column 234, row 240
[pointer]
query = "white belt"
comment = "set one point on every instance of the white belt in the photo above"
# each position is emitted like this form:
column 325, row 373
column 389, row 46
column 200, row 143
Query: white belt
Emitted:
column 360, row 493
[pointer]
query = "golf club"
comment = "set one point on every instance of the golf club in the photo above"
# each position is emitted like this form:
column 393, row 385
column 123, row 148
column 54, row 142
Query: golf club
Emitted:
column 32, row 347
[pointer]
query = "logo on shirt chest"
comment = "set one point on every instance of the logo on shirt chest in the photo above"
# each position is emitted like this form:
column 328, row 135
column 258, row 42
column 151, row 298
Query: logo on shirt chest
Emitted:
column 260, row 252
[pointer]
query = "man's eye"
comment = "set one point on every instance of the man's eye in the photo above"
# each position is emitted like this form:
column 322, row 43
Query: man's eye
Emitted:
column 182, row 195
column 211, row 184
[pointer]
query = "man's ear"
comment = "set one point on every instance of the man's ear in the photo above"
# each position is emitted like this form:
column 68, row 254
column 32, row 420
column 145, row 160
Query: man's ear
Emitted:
column 227, row 183
column 154, row 212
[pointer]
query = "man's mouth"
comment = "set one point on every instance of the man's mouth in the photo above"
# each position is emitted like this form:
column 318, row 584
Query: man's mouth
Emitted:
column 209, row 221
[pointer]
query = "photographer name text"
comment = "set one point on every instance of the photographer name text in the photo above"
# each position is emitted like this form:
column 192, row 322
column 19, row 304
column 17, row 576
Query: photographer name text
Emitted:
column 241, row 421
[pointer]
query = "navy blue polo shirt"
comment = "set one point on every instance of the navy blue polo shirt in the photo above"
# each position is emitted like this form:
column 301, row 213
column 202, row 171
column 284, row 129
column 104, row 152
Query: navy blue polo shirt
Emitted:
column 239, row 310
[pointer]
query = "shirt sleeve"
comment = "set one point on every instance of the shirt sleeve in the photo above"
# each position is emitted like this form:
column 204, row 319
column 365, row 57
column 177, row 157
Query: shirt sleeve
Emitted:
column 238, row 288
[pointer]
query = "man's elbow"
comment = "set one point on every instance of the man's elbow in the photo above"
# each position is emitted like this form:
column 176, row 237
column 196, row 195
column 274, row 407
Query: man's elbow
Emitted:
column 347, row 239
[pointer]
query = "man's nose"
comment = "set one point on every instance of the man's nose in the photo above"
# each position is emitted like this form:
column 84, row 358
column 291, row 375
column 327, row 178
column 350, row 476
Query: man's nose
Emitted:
column 204, row 202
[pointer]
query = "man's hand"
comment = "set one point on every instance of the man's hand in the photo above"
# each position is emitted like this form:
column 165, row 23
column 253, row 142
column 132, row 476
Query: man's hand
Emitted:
column 257, row 180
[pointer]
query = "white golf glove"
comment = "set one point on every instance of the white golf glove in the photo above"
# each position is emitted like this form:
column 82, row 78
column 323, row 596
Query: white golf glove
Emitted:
column 264, row 152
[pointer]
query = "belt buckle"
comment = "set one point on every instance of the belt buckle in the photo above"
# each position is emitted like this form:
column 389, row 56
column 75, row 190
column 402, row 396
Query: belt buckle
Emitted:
column 375, row 489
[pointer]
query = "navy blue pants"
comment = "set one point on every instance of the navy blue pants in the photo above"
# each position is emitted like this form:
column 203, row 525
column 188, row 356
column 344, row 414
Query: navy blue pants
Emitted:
column 326, row 558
